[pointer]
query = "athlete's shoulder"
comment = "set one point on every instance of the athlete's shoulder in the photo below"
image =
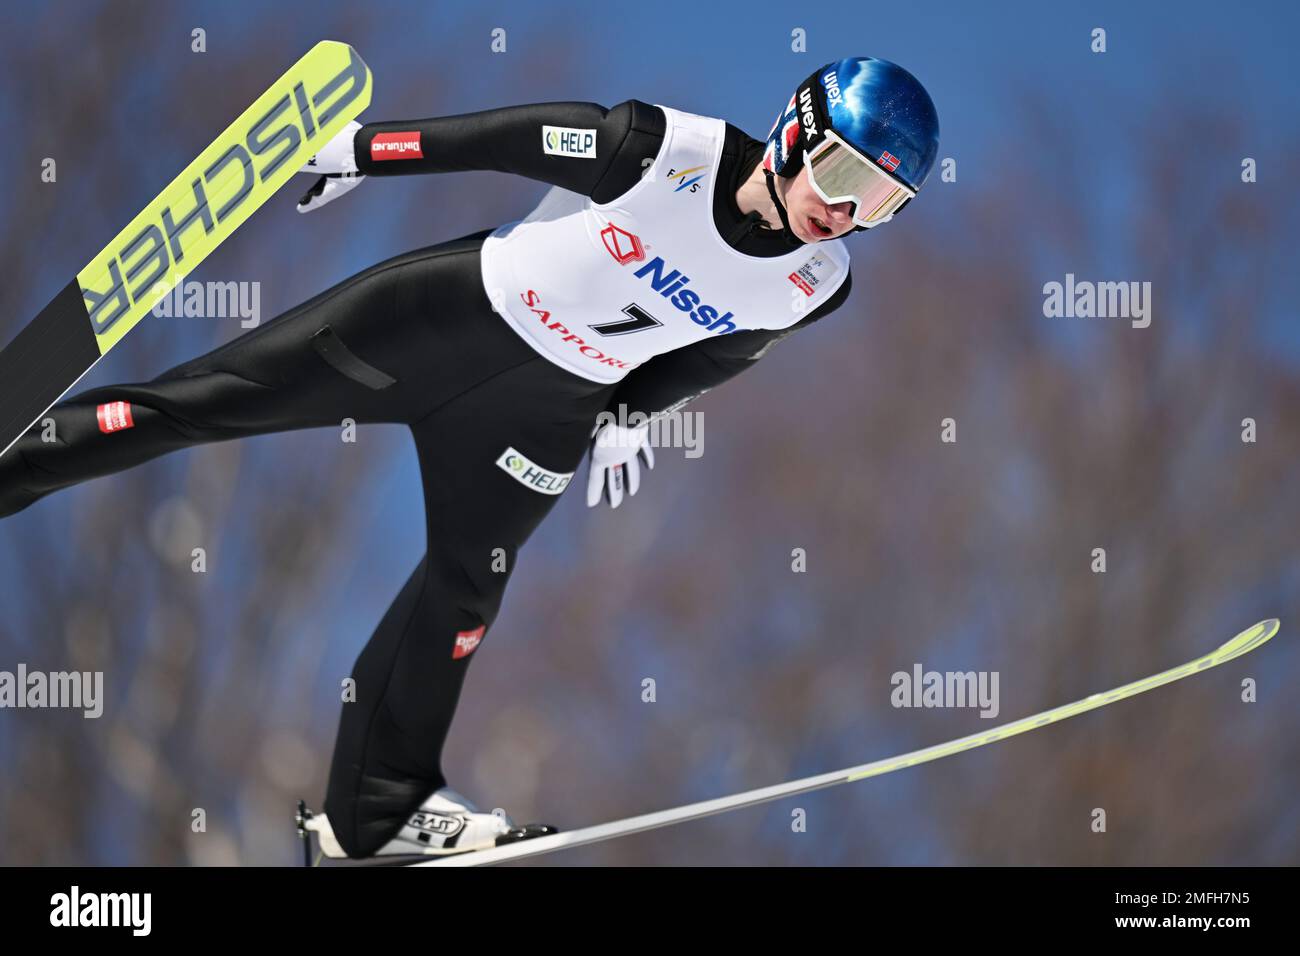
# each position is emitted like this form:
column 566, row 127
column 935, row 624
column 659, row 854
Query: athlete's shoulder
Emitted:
column 636, row 131
column 640, row 117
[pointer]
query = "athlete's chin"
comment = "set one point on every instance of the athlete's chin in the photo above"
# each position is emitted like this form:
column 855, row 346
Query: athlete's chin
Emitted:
column 802, row 229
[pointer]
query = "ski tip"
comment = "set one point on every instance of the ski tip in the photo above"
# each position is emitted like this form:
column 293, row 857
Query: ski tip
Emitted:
column 339, row 48
column 1246, row 641
column 1267, row 628
column 332, row 45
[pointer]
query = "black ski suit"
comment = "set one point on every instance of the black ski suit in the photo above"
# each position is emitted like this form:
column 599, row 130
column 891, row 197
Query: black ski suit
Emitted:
column 415, row 340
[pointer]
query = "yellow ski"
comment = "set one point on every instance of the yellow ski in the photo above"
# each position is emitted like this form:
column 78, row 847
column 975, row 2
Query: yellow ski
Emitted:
column 205, row 203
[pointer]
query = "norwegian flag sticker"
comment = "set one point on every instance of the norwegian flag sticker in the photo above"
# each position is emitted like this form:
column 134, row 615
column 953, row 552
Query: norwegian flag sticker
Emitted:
column 888, row 160
column 114, row 417
column 466, row 641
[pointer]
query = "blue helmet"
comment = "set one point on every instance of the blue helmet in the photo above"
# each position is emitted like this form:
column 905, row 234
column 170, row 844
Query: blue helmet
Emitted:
column 875, row 105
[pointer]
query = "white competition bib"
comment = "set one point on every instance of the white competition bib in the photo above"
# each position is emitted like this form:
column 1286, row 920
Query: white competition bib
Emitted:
column 600, row 289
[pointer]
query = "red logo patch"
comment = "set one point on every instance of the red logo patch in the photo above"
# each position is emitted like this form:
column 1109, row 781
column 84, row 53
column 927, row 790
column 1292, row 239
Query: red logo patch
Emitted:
column 114, row 416
column 466, row 641
column 396, row 146
column 622, row 245
column 889, row 161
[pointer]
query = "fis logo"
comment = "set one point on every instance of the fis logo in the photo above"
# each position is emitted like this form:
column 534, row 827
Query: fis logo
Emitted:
column 688, row 179
column 564, row 141
column 522, row 470
column 671, row 284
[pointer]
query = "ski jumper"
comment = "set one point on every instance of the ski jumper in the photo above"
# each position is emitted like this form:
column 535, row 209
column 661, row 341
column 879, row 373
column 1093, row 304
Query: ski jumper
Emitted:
column 636, row 282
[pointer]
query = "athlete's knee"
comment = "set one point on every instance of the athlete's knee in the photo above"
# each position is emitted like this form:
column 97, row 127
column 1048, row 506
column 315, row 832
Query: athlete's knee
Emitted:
column 475, row 576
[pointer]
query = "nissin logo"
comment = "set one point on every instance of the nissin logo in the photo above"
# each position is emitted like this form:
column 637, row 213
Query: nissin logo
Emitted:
column 671, row 285
column 624, row 246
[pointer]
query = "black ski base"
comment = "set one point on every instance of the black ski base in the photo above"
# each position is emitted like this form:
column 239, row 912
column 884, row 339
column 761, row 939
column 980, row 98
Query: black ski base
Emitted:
column 43, row 361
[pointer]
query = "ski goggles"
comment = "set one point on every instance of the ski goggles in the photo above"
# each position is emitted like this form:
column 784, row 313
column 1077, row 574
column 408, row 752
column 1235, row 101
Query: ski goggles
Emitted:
column 839, row 173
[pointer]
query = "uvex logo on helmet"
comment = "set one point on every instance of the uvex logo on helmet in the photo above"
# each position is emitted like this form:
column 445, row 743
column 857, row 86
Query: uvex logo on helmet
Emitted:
column 806, row 116
column 831, row 84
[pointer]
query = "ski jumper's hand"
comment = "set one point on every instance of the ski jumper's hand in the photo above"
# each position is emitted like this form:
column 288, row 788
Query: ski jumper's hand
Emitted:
column 337, row 164
column 614, row 462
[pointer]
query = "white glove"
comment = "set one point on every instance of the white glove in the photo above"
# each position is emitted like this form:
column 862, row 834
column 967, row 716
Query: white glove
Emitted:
column 614, row 465
column 337, row 164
